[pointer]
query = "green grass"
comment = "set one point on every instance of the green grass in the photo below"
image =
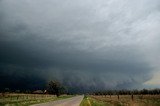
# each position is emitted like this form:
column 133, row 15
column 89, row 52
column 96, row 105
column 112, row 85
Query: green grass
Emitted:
column 125, row 100
column 26, row 100
column 88, row 101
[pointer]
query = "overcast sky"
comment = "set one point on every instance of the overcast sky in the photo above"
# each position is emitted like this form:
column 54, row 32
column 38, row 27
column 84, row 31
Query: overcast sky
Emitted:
column 110, row 44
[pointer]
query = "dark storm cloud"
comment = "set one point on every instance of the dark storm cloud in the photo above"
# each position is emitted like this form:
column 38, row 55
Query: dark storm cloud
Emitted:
column 101, row 44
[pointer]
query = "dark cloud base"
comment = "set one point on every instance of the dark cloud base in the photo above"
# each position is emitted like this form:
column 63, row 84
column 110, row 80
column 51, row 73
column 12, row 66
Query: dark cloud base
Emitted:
column 86, row 46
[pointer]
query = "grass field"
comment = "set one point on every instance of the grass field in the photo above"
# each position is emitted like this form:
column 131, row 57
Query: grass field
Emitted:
column 127, row 100
column 27, row 99
column 89, row 101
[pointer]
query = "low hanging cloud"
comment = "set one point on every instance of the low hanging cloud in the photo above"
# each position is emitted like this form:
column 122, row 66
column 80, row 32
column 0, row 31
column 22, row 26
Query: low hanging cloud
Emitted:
column 91, row 45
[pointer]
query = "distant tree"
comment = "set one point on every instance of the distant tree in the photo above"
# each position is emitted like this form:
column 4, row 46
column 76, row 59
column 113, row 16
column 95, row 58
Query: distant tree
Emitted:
column 55, row 88
column 144, row 91
column 17, row 91
column 63, row 90
column 28, row 91
column 6, row 90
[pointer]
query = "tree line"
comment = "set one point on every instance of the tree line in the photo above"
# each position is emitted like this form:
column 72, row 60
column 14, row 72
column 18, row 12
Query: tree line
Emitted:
column 53, row 87
column 128, row 92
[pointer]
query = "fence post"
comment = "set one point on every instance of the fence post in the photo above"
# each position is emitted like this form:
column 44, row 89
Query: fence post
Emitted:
column 17, row 97
column 132, row 97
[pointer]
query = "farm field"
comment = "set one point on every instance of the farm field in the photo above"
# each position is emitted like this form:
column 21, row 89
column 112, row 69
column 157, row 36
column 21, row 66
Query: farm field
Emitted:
column 90, row 101
column 126, row 100
column 27, row 99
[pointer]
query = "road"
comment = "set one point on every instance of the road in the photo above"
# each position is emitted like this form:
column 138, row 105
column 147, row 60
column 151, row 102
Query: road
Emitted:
column 74, row 101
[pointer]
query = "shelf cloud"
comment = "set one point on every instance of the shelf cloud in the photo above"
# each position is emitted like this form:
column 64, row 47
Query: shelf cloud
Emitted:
column 98, row 44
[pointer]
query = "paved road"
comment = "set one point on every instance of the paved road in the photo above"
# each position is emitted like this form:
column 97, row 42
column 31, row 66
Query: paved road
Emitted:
column 74, row 101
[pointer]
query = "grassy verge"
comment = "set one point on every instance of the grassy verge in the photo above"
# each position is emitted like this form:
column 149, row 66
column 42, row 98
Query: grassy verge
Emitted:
column 27, row 102
column 125, row 100
column 88, row 101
